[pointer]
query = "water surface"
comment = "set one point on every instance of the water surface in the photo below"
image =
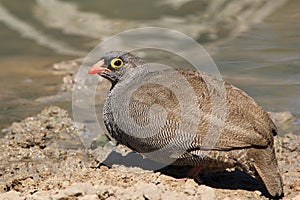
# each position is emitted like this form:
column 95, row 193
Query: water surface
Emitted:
column 256, row 45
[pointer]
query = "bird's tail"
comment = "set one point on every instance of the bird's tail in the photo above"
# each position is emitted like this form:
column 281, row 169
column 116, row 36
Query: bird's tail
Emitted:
column 267, row 168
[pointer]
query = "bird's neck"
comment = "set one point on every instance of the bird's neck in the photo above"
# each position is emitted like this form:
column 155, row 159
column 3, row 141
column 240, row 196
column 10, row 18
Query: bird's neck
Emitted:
column 131, row 76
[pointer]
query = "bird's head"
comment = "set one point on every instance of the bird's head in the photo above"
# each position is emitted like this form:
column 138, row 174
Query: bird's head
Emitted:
column 113, row 65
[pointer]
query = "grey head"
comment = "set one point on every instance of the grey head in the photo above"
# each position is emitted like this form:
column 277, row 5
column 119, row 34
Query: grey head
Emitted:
column 115, row 64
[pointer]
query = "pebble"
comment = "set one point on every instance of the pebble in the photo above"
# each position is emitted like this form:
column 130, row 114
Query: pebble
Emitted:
column 206, row 192
column 296, row 197
column 258, row 192
column 41, row 195
column 11, row 195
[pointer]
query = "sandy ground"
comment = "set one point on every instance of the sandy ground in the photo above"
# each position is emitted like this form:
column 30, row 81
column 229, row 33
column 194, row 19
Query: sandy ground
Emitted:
column 42, row 158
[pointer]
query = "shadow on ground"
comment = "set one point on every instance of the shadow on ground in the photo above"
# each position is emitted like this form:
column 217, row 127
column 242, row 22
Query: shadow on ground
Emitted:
column 222, row 180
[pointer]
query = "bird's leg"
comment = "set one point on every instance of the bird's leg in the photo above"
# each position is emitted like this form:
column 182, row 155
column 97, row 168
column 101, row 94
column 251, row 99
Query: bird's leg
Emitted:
column 194, row 171
column 191, row 173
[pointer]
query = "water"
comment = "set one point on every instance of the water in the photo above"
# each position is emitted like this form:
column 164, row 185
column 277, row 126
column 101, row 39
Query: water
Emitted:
column 255, row 44
column 265, row 61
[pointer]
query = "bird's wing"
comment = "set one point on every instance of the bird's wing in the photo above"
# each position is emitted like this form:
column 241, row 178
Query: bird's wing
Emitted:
column 246, row 124
column 187, row 100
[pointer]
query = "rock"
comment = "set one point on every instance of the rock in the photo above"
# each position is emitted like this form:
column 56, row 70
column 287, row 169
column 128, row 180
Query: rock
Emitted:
column 291, row 142
column 68, row 83
column 41, row 195
column 190, row 187
column 11, row 195
column 149, row 191
column 89, row 197
column 67, row 67
column 281, row 117
column 206, row 192
column 77, row 189
column 296, row 197
column 258, row 192
column 285, row 121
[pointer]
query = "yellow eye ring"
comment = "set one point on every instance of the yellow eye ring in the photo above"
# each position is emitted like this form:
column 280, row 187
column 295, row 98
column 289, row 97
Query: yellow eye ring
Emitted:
column 116, row 63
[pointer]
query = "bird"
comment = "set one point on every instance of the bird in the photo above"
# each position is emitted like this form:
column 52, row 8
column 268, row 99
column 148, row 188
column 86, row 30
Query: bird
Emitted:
column 145, row 111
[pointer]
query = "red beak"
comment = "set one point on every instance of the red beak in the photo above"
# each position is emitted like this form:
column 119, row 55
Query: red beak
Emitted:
column 98, row 68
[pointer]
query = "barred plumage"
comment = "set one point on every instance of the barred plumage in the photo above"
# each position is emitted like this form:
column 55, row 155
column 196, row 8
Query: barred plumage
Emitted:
column 155, row 119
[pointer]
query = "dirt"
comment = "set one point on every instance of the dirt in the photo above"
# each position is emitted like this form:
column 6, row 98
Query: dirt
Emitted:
column 43, row 158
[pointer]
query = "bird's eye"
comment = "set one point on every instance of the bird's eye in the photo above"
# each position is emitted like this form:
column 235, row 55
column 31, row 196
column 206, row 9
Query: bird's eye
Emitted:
column 116, row 63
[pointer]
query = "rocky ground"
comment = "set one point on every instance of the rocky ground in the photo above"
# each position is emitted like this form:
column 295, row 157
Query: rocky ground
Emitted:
column 42, row 158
